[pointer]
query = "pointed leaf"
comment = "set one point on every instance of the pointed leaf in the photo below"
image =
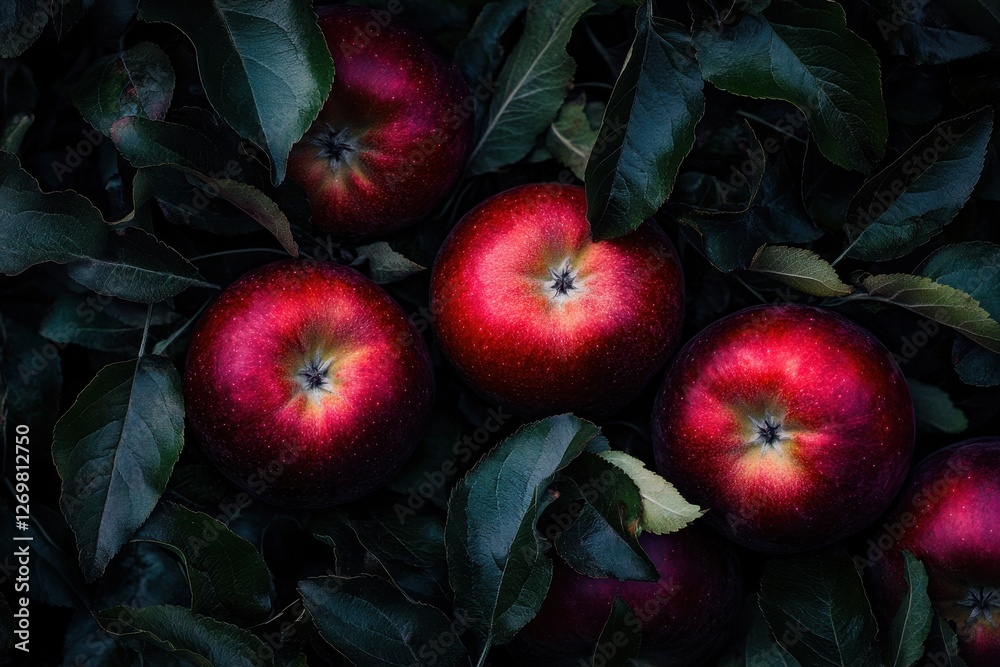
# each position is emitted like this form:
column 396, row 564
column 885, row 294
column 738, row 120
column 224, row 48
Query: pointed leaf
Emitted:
column 265, row 66
column 571, row 137
column 385, row 265
column 934, row 408
column 937, row 301
column 802, row 52
column 114, row 450
column 664, row 510
column 913, row 198
column 799, row 268
column 620, row 638
column 647, row 130
column 531, row 86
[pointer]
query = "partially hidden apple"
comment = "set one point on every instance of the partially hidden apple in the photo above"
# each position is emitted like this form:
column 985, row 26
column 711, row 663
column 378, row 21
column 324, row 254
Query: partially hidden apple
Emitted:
column 948, row 517
column 793, row 425
column 684, row 617
column 307, row 384
column 394, row 133
column 537, row 316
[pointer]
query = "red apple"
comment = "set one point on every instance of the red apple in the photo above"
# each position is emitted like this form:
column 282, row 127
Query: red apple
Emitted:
column 791, row 423
column 540, row 318
column 948, row 516
column 307, row 384
column 684, row 617
column 394, row 133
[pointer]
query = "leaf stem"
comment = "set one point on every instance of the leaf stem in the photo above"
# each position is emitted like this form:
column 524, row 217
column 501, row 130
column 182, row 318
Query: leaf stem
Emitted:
column 145, row 330
column 238, row 251
column 758, row 119
column 161, row 347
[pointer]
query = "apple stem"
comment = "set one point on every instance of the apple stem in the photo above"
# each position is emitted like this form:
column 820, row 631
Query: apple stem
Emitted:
column 334, row 145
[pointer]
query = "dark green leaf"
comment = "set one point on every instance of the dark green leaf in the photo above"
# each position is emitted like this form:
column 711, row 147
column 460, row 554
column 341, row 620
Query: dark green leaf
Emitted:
column 385, row 265
column 937, row 301
column 803, row 53
column 204, row 641
column 136, row 82
column 114, row 450
column 817, row 607
column 664, row 510
column 912, row 622
column 942, row 645
column 495, row 561
column 761, row 648
column 598, row 510
column 64, row 227
column 371, row 622
column 934, row 408
column 72, row 320
column 87, row 644
column 913, row 198
column 913, row 31
column 14, row 131
column 531, row 86
column 417, row 541
column 647, row 130
column 21, row 23
column 265, row 66
column 228, row 577
column 976, row 365
column 148, row 143
column 799, row 268
column 620, row 639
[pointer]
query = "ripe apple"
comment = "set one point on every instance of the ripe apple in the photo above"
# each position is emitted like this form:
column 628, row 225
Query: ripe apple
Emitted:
column 394, row 133
column 684, row 617
column 948, row 516
column 540, row 318
column 307, row 384
column 792, row 424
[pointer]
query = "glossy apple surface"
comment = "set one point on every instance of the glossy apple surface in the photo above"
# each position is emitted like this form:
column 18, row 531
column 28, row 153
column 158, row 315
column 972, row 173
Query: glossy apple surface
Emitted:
column 394, row 133
column 307, row 384
column 538, row 317
column 685, row 617
column 948, row 516
column 792, row 424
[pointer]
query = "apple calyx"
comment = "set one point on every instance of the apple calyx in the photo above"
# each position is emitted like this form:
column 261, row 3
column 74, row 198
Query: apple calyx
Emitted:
column 982, row 602
column 335, row 145
column 769, row 434
column 314, row 376
column 563, row 281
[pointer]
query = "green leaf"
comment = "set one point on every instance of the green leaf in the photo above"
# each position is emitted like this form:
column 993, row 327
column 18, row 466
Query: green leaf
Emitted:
column 816, row 605
column 647, row 130
column 30, row 376
column 912, row 622
column 942, row 644
column 265, row 66
column 87, row 643
column 934, row 408
column 495, row 560
column 912, row 31
column 21, row 23
column 114, row 450
column 64, row 227
column 803, row 53
column 417, row 541
column 664, row 510
column 204, row 641
column 571, row 137
column 371, row 622
column 385, row 265
column 912, row 199
column 531, row 86
column 136, row 82
column 14, row 131
column 974, row 268
column 148, row 143
column 620, row 638
column 598, row 510
column 70, row 320
column 228, row 577
column 936, row 301
column 799, row 268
